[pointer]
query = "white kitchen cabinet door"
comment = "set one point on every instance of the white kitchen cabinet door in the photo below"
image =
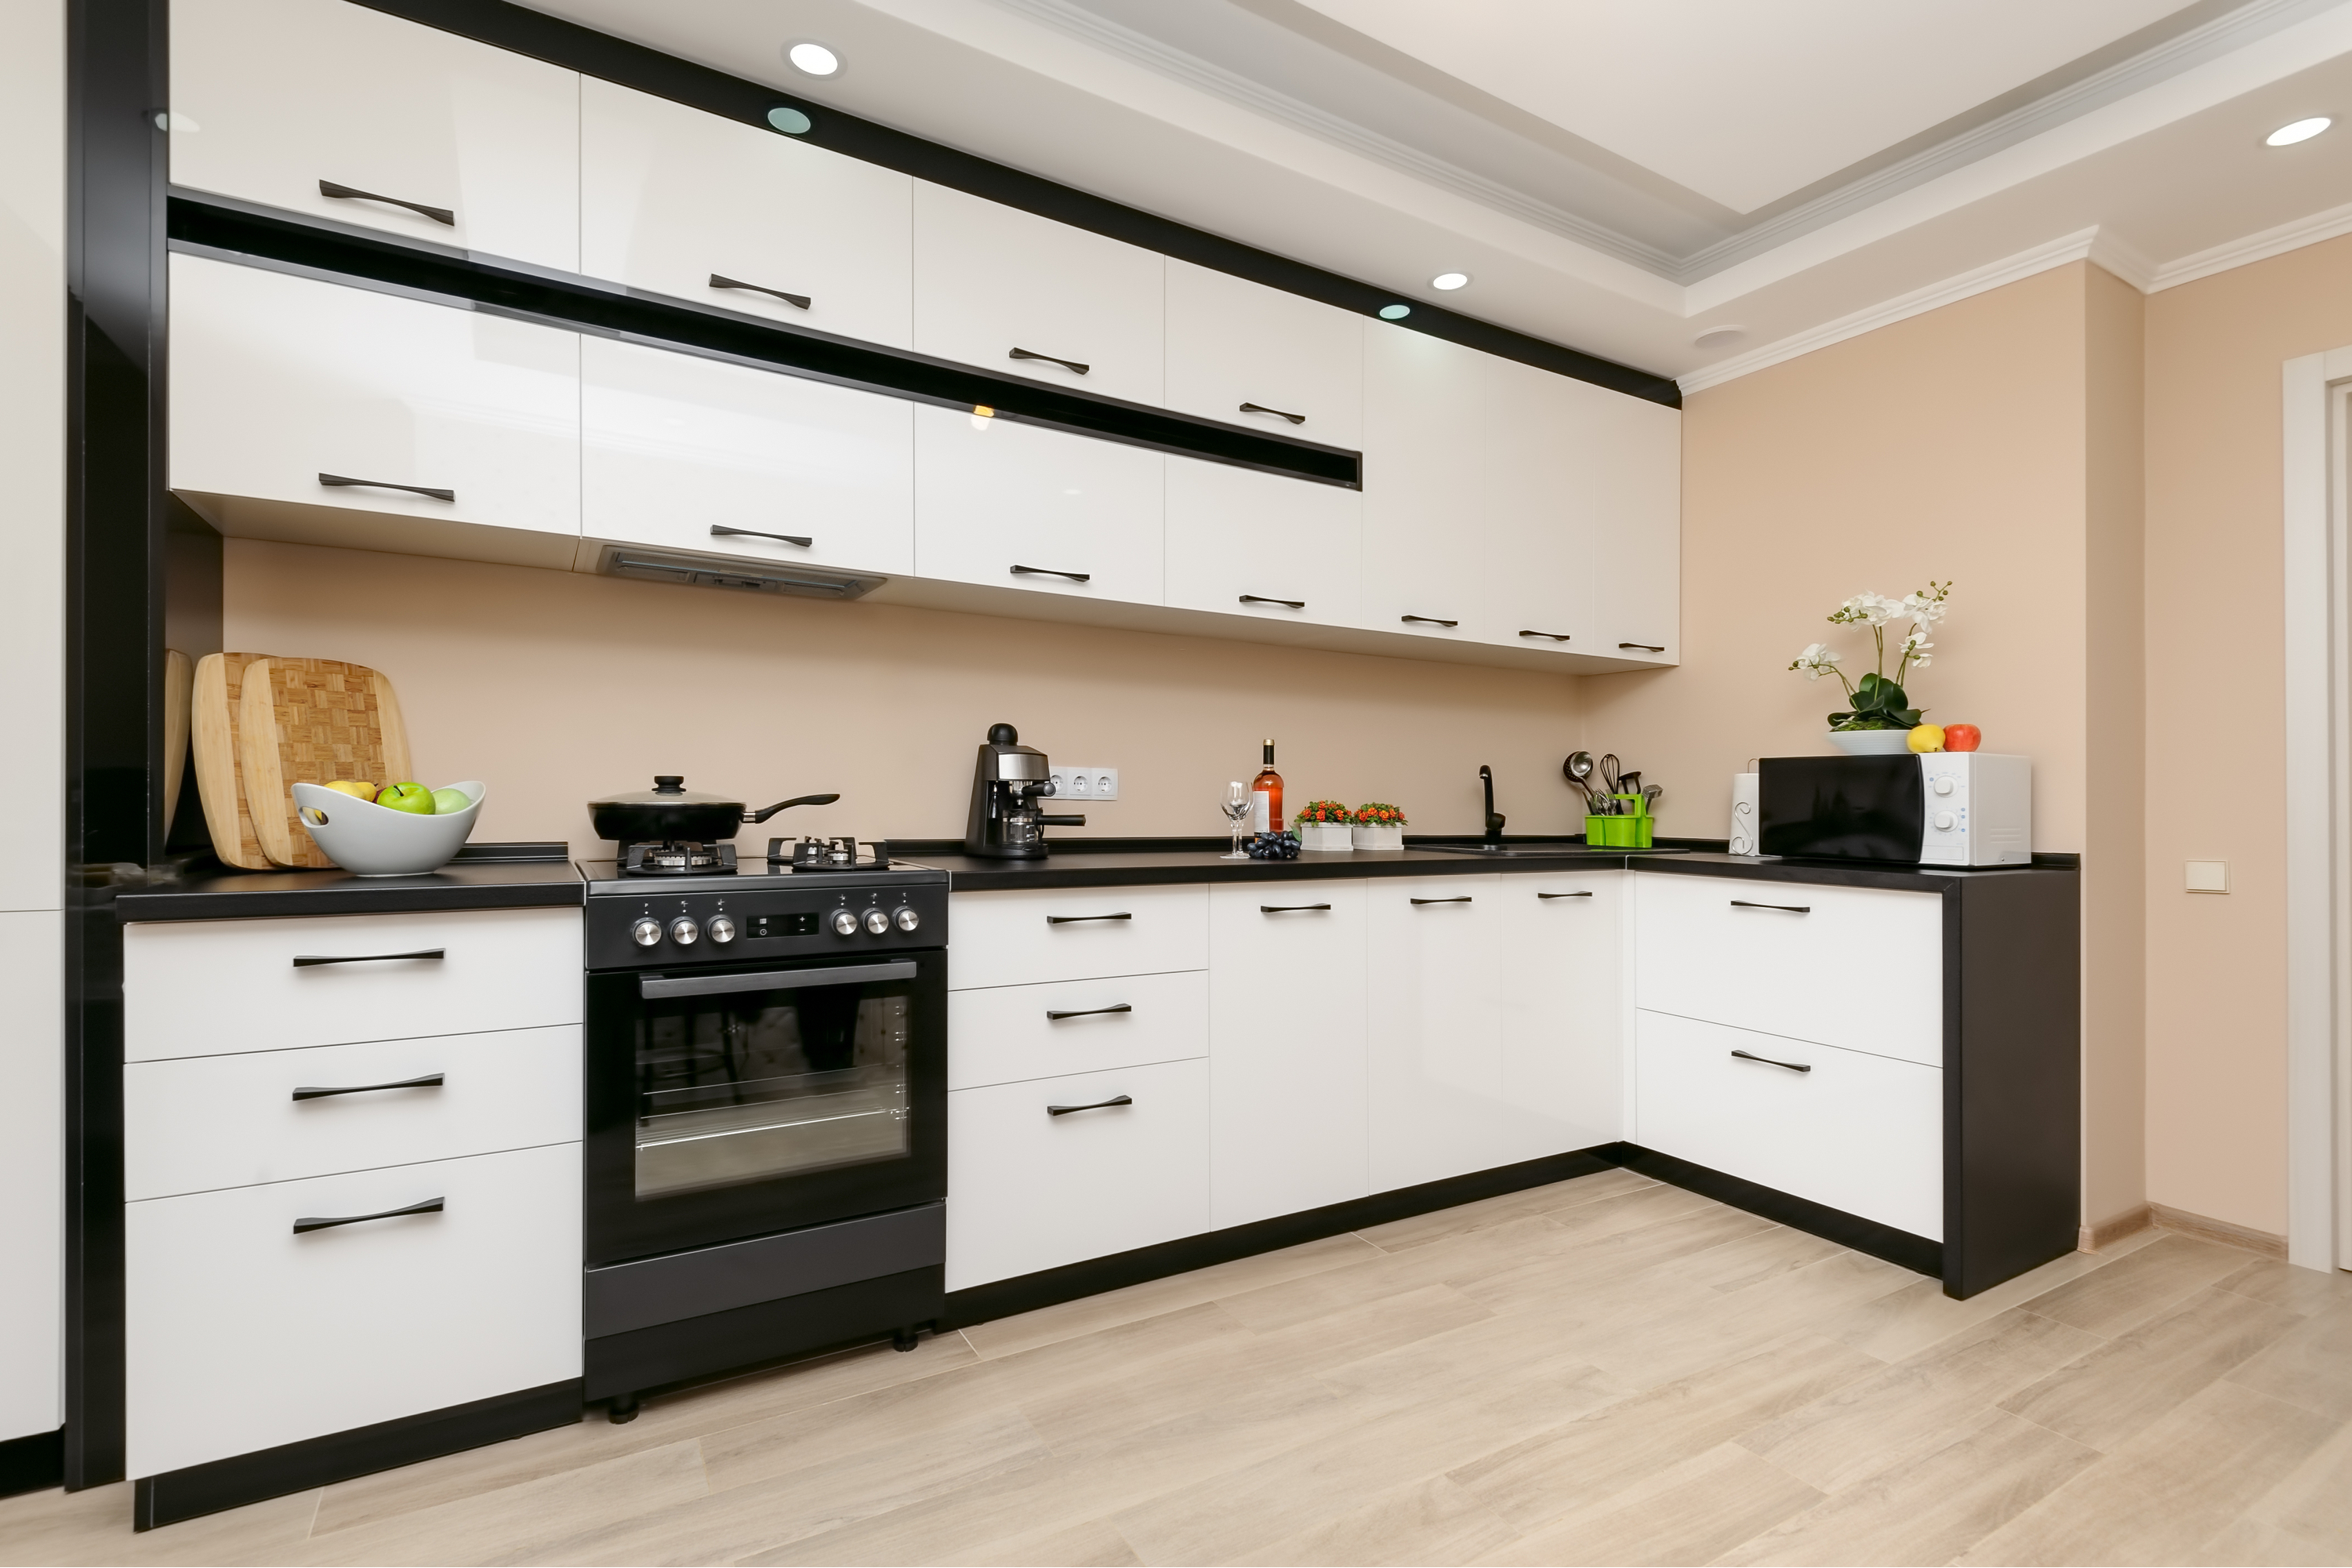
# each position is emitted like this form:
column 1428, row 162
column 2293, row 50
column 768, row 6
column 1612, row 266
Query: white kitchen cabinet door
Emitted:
column 1631, row 490
column 1005, row 1034
column 1022, row 936
column 671, row 197
column 1016, row 506
column 279, row 384
column 1563, row 1045
column 1243, row 353
column 676, row 447
column 991, row 281
column 273, row 101
column 1245, row 543
column 1433, row 970
column 1029, row 1190
column 1545, row 459
column 1428, row 566
column 1288, row 1076
column 241, row 1334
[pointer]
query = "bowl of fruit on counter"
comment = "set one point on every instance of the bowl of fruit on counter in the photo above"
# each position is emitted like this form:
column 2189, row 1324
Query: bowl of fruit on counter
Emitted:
column 388, row 830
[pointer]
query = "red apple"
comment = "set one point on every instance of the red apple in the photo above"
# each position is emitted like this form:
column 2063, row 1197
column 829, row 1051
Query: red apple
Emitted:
column 1962, row 737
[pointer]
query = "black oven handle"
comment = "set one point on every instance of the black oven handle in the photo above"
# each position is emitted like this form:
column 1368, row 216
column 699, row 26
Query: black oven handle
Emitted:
column 651, row 985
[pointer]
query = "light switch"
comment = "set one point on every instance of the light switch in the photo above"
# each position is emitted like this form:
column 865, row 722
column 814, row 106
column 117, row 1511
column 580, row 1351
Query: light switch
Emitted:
column 2208, row 875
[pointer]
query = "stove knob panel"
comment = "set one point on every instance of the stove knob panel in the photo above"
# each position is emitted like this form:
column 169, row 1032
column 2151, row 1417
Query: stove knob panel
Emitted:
column 876, row 922
column 722, row 929
column 683, row 932
column 646, row 932
column 845, row 922
column 908, row 919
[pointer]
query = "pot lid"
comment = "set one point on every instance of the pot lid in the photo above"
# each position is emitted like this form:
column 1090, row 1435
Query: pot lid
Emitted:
column 669, row 789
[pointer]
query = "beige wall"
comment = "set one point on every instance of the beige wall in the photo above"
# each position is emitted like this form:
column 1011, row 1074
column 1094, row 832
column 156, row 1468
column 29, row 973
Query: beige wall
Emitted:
column 556, row 688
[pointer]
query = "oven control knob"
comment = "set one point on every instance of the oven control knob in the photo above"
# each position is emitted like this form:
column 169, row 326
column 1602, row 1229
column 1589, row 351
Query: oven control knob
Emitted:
column 1946, row 822
column 648, row 930
column 845, row 922
column 1944, row 786
column 683, row 932
column 908, row 919
column 876, row 922
column 721, row 929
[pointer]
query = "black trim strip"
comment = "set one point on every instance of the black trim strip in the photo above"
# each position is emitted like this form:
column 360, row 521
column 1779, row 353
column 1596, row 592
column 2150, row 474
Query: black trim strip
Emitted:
column 1900, row 1248
column 592, row 53
column 199, row 1490
column 33, row 1464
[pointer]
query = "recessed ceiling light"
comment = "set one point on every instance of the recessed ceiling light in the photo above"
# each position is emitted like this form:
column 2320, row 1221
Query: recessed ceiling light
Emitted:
column 1720, row 337
column 791, row 122
column 2301, row 131
column 812, row 58
column 1396, row 313
column 1449, row 280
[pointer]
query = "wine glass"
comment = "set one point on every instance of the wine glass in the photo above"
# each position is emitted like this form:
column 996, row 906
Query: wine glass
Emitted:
column 1236, row 806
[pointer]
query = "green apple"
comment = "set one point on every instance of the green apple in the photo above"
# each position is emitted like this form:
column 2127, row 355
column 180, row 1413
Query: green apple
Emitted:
column 413, row 797
column 446, row 801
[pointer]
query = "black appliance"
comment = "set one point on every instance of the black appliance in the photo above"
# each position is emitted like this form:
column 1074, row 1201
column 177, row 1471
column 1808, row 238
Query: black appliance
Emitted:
column 1008, row 781
column 766, row 1115
column 1934, row 808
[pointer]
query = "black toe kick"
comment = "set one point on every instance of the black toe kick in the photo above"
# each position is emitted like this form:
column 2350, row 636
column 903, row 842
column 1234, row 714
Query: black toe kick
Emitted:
column 629, row 1363
column 1900, row 1248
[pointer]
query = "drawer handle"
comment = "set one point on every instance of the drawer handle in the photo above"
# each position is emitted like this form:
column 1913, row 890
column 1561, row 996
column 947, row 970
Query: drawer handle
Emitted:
column 1074, row 920
column 1097, row 1105
column 346, row 194
column 430, row 1080
column 798, row 302
column 430, row 492
column 1586, row 894
column 1429, row 620
column 1292, row 908
column 311, row 959
column 430, row 1205
column 1073, row 366
column 1090, row 1012
column 1019, row 571
column 1785, row 909
column 721, row 531
column 1643, row 646
column 1556, row 636
column 1768, row 1061
column 1262, row 599
column 1278, row 414
column 1463, row 899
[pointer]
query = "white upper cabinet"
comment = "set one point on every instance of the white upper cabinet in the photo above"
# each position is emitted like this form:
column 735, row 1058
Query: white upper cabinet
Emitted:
column 1004, row 290
column 694, row 454
column 1247, row 543
column 1631, row 453
column 1009, row 505
column 333, row 110
column 1544, row 458
column 1246, row 355
column 316, row 413
column 1427, row 569
column 674, row 201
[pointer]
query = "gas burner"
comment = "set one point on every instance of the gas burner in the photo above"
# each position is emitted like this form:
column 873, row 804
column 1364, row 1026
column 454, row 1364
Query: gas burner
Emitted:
column 827, row 855
column 677, row 858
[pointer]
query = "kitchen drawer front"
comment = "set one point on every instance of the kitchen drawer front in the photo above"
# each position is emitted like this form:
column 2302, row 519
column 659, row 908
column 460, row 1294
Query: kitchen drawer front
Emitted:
column 200, row 988
column 242, row 1335
column 197, row 1124
column 1021, row 938
column 1859, row 1132
column 1736, row 952
column 1005, row 1034
column 1028, row 1190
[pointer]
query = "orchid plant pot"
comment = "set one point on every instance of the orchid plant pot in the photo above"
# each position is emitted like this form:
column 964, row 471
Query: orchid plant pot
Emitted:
column 1871, row 742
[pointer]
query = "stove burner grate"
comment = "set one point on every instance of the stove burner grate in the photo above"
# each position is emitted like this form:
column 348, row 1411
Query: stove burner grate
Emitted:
column 677, row 858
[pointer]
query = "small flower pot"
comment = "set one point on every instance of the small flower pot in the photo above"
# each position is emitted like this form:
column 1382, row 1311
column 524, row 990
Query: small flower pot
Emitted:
column 1327, row 835
column 1377, row 837
column 1871, row 742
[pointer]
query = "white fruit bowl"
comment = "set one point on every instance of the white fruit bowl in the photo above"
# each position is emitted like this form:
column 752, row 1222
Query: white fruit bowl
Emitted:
column 371, row 840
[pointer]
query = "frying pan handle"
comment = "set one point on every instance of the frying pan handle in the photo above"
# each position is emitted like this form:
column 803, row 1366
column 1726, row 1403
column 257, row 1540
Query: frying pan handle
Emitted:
column 783, row 805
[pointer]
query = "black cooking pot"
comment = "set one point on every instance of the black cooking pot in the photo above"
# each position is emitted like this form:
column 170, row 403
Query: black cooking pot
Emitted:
column 671, row 812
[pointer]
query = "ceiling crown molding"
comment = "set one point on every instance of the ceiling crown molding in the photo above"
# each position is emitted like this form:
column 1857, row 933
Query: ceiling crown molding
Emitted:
column 2320, row 225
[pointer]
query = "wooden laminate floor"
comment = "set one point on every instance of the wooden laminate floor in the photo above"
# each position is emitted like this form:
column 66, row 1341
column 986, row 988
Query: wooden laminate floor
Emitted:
column 1603, row 1371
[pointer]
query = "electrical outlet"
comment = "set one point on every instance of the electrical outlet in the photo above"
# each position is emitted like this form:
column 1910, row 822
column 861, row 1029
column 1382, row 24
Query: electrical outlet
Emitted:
column 1085, row 784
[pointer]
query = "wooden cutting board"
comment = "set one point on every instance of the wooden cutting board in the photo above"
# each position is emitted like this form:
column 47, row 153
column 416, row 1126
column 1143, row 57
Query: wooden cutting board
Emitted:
column 213, row 714
column 311, row 721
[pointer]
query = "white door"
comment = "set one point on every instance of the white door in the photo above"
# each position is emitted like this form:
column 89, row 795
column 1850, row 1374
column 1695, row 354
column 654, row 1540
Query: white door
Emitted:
column 1247, row 543
column 1544, row 467
column 344, row 112
column 1287, row 1079
column 437, row 422
column 1562, row 1029
column 694, row 454
column 1631, row 450
column 1426, row 565
column 1243, row 354
column 1013, row 293
column 705, row 208
column 1433, row 1022
column 1016, row 506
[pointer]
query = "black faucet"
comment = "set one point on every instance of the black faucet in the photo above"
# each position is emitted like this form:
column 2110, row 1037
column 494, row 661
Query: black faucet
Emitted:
column 1494, row 817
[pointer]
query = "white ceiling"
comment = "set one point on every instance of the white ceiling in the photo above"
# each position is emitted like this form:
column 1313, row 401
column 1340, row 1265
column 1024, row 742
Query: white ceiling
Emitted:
column 1619, row 175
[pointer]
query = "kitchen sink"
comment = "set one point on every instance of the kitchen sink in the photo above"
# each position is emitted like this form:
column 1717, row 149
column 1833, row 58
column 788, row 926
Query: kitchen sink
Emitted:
column 1534, row 848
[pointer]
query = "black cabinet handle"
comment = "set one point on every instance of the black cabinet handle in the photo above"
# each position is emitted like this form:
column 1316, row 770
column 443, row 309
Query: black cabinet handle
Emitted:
column 339, row 482
column 1278, row 414
column 1262, row 599
column 1643, row 646
column 430, row 1080
column 430, row 1205
column 1073, row 366
column 798, row 302
column 346, row 194
column 1786, row 908
column 721, row 531
column 1097, row 1105
column 1074, row 920
column 1430, row 621
column 310, row 959
column 1049, row 572
column 1292, row 908
column 1556, row 636
column 1768, row 1061
column 1090, row 1012
column 1586, row 894
column 1463, row 899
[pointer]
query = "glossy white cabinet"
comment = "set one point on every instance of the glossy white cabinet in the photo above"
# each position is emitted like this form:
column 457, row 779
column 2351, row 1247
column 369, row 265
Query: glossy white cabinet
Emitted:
column 671, row 197
column 1005, row 1034
column 273, row 99
column 1287, row 1080
column 280, row 386
column 1241, row 542
column 1009, row 505
column 1626, row 454
column 1427, row 573
column 1019, row 936
column 1540, row 520
column 1246, row 354
column 1562, row 992
column 992, row 282
column 1433, row 1004
column 676, row 448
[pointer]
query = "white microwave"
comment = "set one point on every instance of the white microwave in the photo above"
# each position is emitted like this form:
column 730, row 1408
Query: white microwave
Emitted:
column 1932, row 809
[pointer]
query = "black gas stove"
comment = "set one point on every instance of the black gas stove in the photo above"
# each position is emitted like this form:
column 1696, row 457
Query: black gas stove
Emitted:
column 696, row 857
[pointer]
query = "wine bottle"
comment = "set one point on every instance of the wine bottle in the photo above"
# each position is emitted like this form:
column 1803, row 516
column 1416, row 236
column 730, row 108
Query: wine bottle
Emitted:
column 1265, row 797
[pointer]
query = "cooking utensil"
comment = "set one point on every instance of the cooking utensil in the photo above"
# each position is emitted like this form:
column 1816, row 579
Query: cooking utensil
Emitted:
column 1650, row 794
column 1629, row 783
column 311, row 721
column 670, row 813
column 1609, row 772
column 1578, row 770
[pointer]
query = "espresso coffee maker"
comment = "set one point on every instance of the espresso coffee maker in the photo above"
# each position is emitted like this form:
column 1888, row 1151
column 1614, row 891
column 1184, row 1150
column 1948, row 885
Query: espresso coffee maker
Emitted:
column 1008, row 780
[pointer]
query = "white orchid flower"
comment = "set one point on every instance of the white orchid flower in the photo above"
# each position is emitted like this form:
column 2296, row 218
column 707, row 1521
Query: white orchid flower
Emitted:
column 1817, row 660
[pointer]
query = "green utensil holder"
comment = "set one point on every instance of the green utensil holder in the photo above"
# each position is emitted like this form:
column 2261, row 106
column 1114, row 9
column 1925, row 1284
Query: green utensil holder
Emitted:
column 1619, row 832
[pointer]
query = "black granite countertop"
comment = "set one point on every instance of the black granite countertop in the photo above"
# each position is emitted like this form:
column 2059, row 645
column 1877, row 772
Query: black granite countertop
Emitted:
column 483, row 876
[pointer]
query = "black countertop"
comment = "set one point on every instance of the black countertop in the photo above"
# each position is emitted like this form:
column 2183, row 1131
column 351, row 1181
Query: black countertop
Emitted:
column 483, row 876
